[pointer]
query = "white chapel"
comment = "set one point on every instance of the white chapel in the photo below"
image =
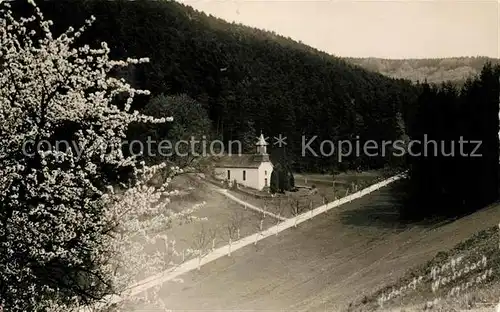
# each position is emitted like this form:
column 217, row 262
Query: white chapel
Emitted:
column 251, row 170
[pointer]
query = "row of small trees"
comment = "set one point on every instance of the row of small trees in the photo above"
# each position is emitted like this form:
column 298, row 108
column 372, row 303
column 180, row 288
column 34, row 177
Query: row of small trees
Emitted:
column 205, row 240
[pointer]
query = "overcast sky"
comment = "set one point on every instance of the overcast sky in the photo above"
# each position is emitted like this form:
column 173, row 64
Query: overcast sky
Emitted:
column 387, row 29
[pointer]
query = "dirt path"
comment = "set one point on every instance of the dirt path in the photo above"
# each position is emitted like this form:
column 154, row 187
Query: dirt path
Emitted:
column 322, row 265
column 248, row 205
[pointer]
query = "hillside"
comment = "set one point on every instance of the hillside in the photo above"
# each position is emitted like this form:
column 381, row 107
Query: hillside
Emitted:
column 248, row 79
column 436, row 70
column 345, row 257
column 464, row 277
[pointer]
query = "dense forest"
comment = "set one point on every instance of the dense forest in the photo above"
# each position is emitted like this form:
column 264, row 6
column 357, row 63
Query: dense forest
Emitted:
column 454, row 69
column 247, row 79
column 231, row 81
column 454, row 167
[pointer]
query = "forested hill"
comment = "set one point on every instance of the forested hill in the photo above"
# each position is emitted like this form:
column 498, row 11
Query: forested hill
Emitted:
column 248, row 79
column 454, row 69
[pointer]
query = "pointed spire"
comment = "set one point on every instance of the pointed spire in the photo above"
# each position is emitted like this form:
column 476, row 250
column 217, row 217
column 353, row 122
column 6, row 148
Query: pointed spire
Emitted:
column 261, row 141
column 261, row 145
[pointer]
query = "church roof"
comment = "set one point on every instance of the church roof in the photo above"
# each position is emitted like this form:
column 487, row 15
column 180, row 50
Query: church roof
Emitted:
column 238, row 161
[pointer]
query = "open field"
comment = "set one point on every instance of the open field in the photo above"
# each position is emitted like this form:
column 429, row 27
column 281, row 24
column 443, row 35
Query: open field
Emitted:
column 474, row 283
column 325, row 264
column 344, row 182
column 216, row 214
column 284, row 204
column 323, row 191
column 342, row 178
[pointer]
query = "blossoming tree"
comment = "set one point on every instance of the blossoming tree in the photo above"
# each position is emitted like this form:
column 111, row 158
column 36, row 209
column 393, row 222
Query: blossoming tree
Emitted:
column 69, row 235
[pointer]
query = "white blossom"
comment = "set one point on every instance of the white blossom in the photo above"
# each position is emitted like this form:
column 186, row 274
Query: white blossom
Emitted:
column 56, row 209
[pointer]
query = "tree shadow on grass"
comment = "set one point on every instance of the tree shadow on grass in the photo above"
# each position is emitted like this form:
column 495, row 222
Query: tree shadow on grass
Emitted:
column 382, row 209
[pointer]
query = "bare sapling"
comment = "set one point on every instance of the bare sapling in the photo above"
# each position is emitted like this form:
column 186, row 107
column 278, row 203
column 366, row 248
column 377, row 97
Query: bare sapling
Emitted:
column 297, row 208
column 213, row 236
column 170, row 251
column 166, row 244
column 237, row 220
column 231, row 229
column 202, row 240
column 279, row 211
column 173, row 252
column 199, row 259
column 258, row 230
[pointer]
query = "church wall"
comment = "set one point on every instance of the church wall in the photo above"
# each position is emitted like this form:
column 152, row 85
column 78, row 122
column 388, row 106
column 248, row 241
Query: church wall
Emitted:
column 252, row 176
column 265, row 167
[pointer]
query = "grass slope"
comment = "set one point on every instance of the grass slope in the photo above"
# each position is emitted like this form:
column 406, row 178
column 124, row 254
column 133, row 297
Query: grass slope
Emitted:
column 471, row 283
column 324, row 264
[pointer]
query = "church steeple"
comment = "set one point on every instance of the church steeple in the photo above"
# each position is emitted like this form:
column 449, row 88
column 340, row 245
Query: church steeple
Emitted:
column 261, row 145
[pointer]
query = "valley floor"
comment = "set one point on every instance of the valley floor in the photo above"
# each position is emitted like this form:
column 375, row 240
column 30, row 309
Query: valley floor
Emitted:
column 323, row 265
